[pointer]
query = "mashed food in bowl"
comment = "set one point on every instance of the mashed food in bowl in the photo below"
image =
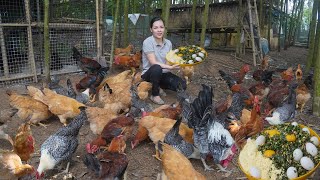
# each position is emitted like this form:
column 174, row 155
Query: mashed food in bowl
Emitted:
column 250, row 157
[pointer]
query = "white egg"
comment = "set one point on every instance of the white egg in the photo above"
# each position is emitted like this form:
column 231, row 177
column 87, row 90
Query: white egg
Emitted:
column 255, row 172
column 190, row 62
column 314, row 140
column 260, row 140
column 306, row 130
column 311, row 149
column 292, row 173
column 201, row 54
column 297, row 154
column 294, row 124
column 306, row 163
column 198, row 59
column 194, row 56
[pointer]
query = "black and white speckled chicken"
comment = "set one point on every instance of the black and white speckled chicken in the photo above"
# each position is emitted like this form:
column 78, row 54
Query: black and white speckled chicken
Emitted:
column 61, row 145
column 138, row 105
column 210, row 136
column 174, row 139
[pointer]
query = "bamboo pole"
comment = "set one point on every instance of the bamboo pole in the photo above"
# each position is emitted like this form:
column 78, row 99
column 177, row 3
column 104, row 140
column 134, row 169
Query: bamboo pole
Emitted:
column 98, row 30
column 101, row 20
column 258, row 29
column 126, row 23
column 312, row 33
column 316, row 93
column 46, row 41
column 280, row 26
column 32, row 62
column 3, row 51
column 204, row 23
column 193, row 20
column 114, row 29
column 252, row 35
column 166, row 15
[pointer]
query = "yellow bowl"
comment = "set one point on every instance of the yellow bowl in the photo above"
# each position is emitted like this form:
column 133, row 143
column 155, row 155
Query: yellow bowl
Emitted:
column 171, row 55
column 303, row 177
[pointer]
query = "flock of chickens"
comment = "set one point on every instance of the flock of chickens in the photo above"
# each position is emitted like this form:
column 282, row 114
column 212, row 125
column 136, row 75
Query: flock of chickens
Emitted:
column 192, row 127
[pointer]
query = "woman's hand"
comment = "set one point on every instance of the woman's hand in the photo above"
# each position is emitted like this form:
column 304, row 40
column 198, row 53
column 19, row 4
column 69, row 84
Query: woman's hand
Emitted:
column 175, row 66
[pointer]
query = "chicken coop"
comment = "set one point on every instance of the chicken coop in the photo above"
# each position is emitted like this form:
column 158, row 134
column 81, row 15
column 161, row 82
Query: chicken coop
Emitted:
column 71, row 23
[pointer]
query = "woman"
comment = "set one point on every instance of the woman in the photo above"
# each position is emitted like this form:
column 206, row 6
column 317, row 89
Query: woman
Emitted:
column 155, row 69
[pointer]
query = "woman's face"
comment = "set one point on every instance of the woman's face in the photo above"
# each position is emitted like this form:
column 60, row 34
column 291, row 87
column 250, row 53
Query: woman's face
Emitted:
column 158, row 29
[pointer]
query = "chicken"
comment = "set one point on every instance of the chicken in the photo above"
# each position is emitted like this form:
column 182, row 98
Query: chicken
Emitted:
column 4, row 135
column 175, row 165
column 88, row 65
column 238, row 76
column 24, row 142
column 308, row 81
column 123, row 51
column 174, row 139
column 299, row 73
column 143, row 89
column 116, row 79
column 28, row 108
column 119, row 125
column 248, row 125
column 61, row 145
column 129, row 61
column 210, row 136
column 138, row 105
column 157, row 128
column 107, row 165
column 117, row 145
column 287, row 110
column 99, row 117
column 263, row 74
column 12, row 162
column 287, row 74
column 62, row 106
column 187, row 73
column 92, row 81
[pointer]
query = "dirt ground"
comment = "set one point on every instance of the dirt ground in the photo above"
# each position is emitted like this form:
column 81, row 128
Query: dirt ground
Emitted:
column 142, row 166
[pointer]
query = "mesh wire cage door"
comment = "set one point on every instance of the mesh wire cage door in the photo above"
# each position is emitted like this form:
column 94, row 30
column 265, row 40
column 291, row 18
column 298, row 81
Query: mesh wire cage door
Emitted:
column 16, row 57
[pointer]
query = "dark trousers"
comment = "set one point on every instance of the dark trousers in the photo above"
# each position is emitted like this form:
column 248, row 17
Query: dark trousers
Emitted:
column 158, row 79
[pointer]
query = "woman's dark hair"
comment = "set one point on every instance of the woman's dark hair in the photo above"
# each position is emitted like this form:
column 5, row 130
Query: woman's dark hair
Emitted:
column 154, row 20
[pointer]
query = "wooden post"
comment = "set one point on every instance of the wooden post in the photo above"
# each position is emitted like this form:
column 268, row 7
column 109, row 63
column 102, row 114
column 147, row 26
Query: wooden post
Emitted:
column 4, row 52
column 101, row 19
column 193, row 20
column 32, row 62
column 251, row 34
column 166, row 16
column 98, row 30
column 204, row 23
column 280, row 26
column 312, row 33
column 46, row 41
column 114, row 29
column 258, row 29
column 126, row 23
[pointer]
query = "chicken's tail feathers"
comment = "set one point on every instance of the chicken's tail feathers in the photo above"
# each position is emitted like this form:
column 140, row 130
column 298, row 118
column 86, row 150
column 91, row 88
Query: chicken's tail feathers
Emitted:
column 36, row 93
column 229, row 80
column 91, row 161
column 76, row 54
column 176, row 125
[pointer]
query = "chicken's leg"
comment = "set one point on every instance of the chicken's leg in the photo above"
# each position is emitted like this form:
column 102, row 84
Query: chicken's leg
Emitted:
column 206, row 167
column 222, row 169
column 157, row 155
column 302, row 106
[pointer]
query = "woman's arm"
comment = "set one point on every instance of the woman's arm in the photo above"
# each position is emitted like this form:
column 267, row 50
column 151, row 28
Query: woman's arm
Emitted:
column 152, row 59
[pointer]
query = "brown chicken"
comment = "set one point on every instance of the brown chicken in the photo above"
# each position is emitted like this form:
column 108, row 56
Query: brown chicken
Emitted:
column 119, row 125
column 62, row 106
column 118, row 78
column 107, row 165
column 24, row 142
column 143, row 89
column 117, row 145
column 99, row 117
column 12, row 162
column 124, row 51
column 29, row 108
column 302, row 91
column 248, row 125
column 187, row 73
column 239, row 76
column 287, row 74
column 264, row 66
column 129, row 61
column 238, row 88
column 88, row 65
column 175, row 165
column 157, row 129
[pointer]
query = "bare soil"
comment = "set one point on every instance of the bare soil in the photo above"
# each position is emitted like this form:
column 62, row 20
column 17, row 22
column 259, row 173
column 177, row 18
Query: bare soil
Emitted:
column 141, row 163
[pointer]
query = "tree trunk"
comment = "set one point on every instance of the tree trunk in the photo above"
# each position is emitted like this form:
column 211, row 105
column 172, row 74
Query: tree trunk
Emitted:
column 292, row 20
column 286, row 26
column 280, row 26
column 316, row 98
column 270, row 22
column 163, row 9
column 239, row 28
column 298, row 28
column 193, row 21
column 261, row 15
column 126, row 23
column 204, row 23
column 46, row 41
column 114, row 29
column 166, row 15
column 312, row 33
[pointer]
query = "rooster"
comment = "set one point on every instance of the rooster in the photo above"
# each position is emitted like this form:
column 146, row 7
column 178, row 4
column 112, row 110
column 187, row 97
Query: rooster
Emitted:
column 88, row 65
column 287, row 110
column 61, row 145
column 210, row 136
